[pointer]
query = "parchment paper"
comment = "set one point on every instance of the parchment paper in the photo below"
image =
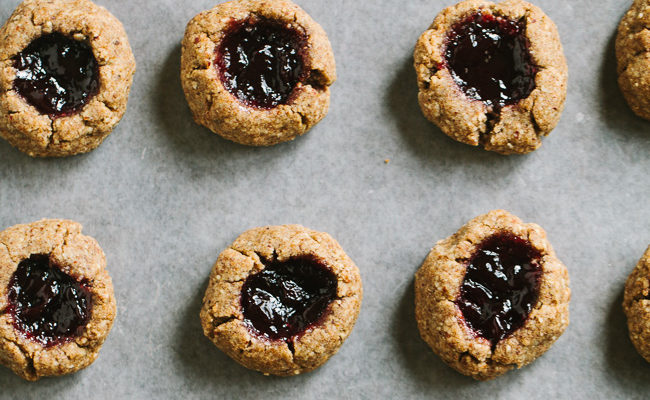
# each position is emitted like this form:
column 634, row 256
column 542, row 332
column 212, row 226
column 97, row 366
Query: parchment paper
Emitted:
column 164, row 196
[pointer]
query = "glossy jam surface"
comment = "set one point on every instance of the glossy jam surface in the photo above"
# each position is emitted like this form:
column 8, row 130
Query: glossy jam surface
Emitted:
column 501, row 286
column 490, row 61
column 261, row 62
column 47, row 305
column 57, row 75
column 287, row 298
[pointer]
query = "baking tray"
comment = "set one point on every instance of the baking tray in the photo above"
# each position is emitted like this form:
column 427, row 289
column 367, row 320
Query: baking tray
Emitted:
column 164, row 196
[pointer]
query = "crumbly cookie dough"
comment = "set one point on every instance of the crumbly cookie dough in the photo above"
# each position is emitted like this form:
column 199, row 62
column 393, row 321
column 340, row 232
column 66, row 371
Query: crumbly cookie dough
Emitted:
column 516, row 129
column 39, row 135
column 636, row 304
column 214, row 107
column 633, row 56
column 79, row 257
column 222, row 316
column 442, row 325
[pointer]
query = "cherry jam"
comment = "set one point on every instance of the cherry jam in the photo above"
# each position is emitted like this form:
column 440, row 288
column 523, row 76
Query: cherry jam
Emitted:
column 501, row 286
column 287, row 298
column 489, row 59
column 57, row 75
column 47, row 305
column 261, row 62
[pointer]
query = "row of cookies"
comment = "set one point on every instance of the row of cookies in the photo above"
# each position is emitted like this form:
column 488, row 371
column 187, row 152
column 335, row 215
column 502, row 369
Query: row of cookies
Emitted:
column 258, row 73
column 282, row 299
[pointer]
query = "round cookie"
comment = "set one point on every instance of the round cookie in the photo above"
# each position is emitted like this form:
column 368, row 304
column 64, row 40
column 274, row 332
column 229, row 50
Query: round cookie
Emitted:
column 633, row 56
column 636, row 304
column 66, row 69
column 56, row 299
column 282, row 299
column 492, row 74
column 492, row 297
column 260, row 98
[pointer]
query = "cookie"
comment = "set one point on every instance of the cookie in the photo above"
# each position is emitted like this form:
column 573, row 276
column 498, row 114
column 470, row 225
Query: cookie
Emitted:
column 636, row 304
column 492, row 75
column 66, row 69
column 257, row 72
column 492, row 297
column 56, row 299
column 633, row 56
column 282, row 299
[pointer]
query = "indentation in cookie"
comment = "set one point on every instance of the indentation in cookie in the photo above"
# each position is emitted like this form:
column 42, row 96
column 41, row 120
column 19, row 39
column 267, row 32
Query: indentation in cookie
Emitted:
column 47, row 305
column 501, row 286
column 489, row 59
column 288, row 297
column 261, row 62
column 57, row 74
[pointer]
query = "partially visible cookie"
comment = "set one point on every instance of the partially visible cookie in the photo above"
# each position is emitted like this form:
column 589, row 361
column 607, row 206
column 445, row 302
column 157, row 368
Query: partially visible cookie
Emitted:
column 282, row 299
column 257, row 72
column 492, row 297
column 633, row 56
column 66, row 69
column 636, row 304
column 56, row 299
column 492, row 74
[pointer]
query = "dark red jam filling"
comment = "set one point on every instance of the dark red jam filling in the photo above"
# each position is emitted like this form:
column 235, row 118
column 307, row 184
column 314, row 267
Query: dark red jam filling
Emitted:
column 261, row 62
column 489, row 59
column 47, row 305
column 287, row 298
column 501, row 286
column 57, row 75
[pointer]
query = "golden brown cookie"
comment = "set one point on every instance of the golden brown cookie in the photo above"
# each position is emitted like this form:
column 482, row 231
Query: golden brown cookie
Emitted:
column 282, row 299
column 636, row 304
column 492, row 74
column 492, row 297
column 56, row 299
column 257, row 72
column 66, row 69
column 633, row 55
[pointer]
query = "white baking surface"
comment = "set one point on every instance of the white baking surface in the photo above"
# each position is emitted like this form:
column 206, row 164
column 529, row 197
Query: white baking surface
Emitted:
column 164, row 196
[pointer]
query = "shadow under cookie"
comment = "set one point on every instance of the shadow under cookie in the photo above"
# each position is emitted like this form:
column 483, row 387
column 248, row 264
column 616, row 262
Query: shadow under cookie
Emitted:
column 426, row 141
column 615, row 112
column 423, row 366
column 194, row 147
column 623, row 362
column 196, row 356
